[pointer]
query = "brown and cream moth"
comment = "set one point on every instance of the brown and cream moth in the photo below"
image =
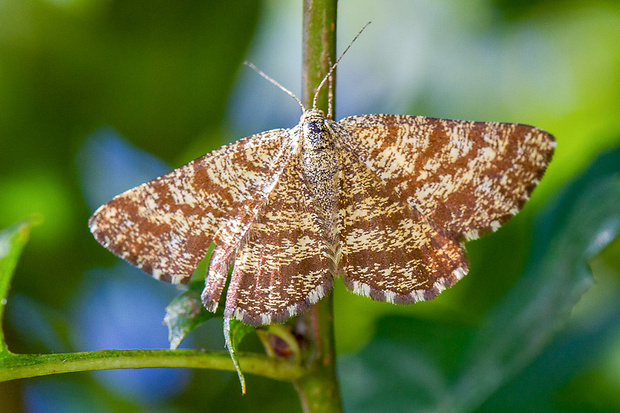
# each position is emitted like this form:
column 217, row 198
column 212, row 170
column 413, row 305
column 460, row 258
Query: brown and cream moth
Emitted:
column 385, row 201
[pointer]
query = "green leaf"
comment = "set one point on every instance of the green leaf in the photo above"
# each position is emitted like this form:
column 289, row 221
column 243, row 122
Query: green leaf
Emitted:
column 452, row 367
column 528, row 317
column 185, row 313
column 12, row 241
column 234, row 331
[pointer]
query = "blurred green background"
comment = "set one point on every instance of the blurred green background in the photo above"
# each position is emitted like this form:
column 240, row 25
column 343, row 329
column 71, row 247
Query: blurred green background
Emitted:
column 99, row 95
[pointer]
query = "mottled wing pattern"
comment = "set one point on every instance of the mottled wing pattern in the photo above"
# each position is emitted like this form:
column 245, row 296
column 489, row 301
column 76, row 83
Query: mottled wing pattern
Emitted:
column 166, row 226
column 409, row 191
column 464, row 177
column 390, row 252
column 282, row 266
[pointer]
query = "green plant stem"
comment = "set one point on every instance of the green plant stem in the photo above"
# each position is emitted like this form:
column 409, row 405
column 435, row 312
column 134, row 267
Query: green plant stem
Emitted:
column 19, row 366
column 318, row 389
column 319, row 49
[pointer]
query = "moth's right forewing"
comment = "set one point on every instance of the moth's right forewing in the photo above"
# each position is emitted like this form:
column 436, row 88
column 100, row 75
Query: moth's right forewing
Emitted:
column 166, row 226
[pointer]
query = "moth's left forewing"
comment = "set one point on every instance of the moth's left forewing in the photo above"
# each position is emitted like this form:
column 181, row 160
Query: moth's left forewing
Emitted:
column 467, row 178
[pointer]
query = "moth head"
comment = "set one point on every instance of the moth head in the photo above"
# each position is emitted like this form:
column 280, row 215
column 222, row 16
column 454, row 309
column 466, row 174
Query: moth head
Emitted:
column 312, row 114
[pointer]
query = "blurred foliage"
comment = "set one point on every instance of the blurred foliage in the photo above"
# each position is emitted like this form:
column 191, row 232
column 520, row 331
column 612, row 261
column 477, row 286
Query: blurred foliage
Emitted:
column 185, row 313
column 164, row 75
column 12, row 242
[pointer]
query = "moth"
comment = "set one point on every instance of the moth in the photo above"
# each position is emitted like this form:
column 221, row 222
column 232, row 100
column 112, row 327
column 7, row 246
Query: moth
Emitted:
column 384, row 201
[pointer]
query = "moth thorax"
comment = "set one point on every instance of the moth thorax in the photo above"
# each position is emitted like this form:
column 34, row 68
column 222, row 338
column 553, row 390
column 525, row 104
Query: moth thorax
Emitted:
column 319, row 160
column 316, row 135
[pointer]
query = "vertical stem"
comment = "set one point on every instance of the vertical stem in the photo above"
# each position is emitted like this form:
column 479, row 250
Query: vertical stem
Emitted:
column 318, row 390
column 319, row 48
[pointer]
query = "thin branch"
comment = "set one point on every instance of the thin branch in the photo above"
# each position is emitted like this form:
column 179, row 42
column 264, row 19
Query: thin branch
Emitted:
column 19, row 366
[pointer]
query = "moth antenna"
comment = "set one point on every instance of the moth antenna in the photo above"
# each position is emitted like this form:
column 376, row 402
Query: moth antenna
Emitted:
column 260, row 72
column 330, row 94
column 331, row 70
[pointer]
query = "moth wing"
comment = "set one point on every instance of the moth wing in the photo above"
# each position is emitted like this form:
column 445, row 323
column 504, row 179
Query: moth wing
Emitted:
column 166, row 226
column 283, row 265
column 390, row 252
column 467, row 177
